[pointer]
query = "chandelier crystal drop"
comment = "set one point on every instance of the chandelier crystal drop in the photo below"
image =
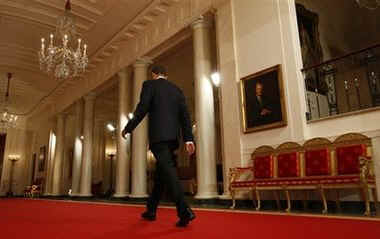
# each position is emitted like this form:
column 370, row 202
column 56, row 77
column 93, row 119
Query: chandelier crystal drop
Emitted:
column 7, row 120
column 369, row 4
column 64, row 61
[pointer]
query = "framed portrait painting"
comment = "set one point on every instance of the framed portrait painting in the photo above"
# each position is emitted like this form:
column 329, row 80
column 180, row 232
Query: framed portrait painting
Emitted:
column 262, row 98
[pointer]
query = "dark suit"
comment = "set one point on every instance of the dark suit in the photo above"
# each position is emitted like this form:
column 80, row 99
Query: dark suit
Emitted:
column 255, row 118
column 168, row 117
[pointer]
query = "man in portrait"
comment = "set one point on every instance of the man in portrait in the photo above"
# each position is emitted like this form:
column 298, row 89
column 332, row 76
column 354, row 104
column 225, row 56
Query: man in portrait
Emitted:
column 261, row 110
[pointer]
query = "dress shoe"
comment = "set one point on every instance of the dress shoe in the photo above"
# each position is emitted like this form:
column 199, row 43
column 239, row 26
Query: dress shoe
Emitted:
column 149, row 216
column 184, row 221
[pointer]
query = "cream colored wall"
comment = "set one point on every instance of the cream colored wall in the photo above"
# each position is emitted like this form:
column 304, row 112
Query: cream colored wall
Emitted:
column 266, row 35
column 264, row 38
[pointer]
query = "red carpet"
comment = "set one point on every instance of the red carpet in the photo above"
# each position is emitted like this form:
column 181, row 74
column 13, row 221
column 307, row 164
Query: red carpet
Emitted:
column 55, row 220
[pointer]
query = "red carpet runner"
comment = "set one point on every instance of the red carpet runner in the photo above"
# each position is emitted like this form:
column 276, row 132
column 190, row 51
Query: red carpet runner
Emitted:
column 63, row 220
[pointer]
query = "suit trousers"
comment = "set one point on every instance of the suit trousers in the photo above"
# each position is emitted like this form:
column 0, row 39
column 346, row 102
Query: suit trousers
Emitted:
column 166, row 176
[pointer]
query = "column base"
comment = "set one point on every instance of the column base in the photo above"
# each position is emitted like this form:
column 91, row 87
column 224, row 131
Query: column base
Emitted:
column 139, row 196
column 120, row 195
column 84, row 195
column 225, row 196
column 206, row 195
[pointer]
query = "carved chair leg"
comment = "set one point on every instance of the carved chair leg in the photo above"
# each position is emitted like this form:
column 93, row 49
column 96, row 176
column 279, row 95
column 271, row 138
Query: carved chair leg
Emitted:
column 306, row 200
column 233, row 199
column 277, row 196
column 375, row 201
column 258, row 200
column 289, row 208
column 337, row 200
column 323, row 195
column 254, row 198
column 365, row 193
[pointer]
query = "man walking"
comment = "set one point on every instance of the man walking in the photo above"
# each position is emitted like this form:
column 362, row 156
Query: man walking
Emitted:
column 168, row 117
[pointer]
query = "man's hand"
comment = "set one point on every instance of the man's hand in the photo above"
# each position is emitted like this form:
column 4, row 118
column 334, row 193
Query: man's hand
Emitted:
column 190, row 148
column 124, row 134
column 265, row 112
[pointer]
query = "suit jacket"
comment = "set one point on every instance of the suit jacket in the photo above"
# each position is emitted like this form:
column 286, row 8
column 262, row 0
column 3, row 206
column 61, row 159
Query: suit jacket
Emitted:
column 255, row 118
column 168, row 114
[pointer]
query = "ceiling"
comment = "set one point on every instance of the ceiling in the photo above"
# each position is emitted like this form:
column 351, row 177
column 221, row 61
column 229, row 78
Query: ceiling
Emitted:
column 24, row 22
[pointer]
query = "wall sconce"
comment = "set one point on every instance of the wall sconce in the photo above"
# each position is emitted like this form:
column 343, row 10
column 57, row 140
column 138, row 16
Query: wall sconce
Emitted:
column 14, row 157
column 215, row 77
column 111, row 127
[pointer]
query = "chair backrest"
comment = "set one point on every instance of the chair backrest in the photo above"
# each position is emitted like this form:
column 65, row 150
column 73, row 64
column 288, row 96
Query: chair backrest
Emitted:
column 348, row 148
column 317, row 157
column 288, row 160
column 263, row 163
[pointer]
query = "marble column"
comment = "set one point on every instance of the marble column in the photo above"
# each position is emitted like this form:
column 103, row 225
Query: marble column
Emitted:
column 78, row 146
column 229, row 109
column 50, row 163
column 123, row 153
column 58, row 158
column 140, row 135
column 102, row 152
column 204, row 111
column 96, row 157
column 88, row 126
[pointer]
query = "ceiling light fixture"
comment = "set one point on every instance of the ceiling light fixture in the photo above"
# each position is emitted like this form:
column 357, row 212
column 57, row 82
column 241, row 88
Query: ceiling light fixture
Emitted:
column 7, row 120
column 63, row 61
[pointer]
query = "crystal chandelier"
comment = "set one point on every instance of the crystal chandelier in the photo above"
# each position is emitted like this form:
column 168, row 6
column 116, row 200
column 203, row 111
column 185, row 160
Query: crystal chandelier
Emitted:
column 369, row 4
column 7, row 120
column 63, row 61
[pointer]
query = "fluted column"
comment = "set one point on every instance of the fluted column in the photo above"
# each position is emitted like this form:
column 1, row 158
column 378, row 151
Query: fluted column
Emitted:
column 78, row 147
column 88, row 126
column 123, row 153
column 59, row 154
column 96, row 155
column 50, row 163
column 140, row 136
column 204, row 111
column 102, row 152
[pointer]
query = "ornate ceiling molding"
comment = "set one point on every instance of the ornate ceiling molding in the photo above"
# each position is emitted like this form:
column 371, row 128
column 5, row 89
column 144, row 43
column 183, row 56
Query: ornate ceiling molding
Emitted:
column 169, row 18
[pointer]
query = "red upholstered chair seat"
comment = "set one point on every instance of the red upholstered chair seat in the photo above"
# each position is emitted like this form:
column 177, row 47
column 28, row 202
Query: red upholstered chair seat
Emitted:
column 243, row 184
column 313, row 180
column 263, row 167
column 348, row 158
column 288, row 165
column 317, row 162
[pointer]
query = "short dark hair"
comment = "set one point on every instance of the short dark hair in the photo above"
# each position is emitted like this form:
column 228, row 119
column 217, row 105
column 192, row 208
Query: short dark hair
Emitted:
column 159, row 70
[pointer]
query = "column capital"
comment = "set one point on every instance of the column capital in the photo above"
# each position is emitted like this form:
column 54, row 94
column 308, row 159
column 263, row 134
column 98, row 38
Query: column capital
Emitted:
column 142, row 62
column 90, row 96
column 201, row 22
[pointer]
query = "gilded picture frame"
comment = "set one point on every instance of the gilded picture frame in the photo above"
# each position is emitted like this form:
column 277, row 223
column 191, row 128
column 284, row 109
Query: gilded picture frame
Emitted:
column 262, row 100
